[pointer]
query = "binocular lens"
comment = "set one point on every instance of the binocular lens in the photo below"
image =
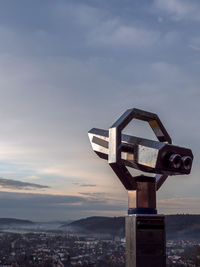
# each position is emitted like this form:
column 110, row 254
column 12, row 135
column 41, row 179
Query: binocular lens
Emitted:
column 175, row 161
column 187, row 162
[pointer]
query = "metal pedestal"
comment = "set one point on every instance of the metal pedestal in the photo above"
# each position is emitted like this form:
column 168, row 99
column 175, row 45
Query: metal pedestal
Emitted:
column 145, row 241
column 145, row 230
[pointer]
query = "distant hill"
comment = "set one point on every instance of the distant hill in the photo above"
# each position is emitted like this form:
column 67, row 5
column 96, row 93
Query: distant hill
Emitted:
column 99, row 225
column 183, row 226
column 177, row 226
column 11, row 221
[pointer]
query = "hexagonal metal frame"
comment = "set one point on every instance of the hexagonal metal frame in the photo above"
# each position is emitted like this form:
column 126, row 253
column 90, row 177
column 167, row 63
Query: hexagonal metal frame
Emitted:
column 115, row 133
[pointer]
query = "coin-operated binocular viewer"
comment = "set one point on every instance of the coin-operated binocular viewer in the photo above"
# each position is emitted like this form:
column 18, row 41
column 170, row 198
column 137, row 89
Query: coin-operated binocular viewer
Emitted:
column 145, row 230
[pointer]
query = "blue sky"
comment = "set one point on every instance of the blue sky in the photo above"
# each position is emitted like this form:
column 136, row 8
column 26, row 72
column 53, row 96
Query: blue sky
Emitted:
column 69, row 66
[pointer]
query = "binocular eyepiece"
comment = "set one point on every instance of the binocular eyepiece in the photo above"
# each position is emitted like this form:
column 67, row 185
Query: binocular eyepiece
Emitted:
column 177, row 161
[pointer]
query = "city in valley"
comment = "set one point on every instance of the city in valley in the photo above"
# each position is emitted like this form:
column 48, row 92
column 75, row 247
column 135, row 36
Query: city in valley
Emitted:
column 58, row 248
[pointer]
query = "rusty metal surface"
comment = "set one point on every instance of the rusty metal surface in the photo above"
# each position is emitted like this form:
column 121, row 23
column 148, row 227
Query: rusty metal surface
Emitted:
column 146, row 193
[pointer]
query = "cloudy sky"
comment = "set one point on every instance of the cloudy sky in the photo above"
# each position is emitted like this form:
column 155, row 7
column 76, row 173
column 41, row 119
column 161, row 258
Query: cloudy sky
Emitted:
column 67, row 66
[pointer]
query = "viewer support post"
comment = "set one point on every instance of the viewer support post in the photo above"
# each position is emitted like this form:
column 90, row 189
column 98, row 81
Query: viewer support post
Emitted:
column 145, row 229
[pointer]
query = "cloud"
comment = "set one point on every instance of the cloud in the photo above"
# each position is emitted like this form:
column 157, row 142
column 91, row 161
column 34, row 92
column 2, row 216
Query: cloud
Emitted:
column 19, row 185
column 195, row 43
column 84, row 184
column 115, row 33
column 95, row 195
column 179, row 9
column 45, row 207
column 196, row 48
column 88, row 185
column 60, row 76
column 188, row 205
column 109, row 198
